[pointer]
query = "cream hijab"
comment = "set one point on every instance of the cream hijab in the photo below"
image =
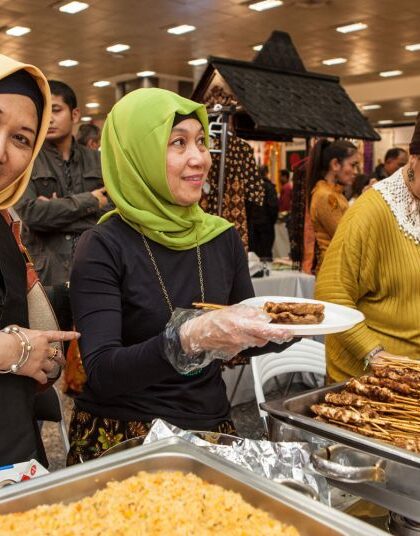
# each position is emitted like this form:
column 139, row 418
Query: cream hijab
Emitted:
column 11, row 194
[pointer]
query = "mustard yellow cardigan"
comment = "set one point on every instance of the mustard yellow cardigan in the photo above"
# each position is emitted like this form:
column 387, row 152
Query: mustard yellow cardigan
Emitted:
column 372, row 266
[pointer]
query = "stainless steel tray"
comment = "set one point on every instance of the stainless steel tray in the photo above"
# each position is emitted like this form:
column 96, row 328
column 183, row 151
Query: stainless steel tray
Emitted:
column 399, row 489
column 309, row 517
column 296, row 410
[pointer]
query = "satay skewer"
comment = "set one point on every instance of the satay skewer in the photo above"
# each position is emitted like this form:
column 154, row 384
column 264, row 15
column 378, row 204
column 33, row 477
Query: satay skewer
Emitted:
column 345, row 398
column 352, row 416
column 399, row 363
column 382, row 394
column 202, row 305
column 396, row 386
column 396, row 375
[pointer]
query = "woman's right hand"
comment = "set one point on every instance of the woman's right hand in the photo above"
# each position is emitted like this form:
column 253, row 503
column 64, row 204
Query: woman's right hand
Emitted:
column 41, row 360
column 230, row 331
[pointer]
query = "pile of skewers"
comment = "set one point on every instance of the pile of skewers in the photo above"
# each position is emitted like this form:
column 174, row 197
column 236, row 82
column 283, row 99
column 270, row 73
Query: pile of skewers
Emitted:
column 384, row 405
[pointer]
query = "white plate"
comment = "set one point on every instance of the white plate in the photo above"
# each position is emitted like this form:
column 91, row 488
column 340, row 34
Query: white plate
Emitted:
column 337, row 317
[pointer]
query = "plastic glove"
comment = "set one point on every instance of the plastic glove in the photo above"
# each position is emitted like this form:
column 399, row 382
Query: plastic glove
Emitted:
column 230, row 330
column 221, row 334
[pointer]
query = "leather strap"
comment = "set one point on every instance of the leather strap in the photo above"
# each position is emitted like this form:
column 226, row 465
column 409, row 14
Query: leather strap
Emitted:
column 16, row 228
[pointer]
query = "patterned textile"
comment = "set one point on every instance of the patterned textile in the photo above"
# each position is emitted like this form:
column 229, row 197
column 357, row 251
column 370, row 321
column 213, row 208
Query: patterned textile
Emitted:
column 368, row 158
column 90, row 435
column 74, row 373
column 297, row 216
column 236, row 361
column 242, row 184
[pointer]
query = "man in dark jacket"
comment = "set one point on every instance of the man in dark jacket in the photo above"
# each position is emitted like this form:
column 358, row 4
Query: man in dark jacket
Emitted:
column 261, row 220
column 394, row 159
column 65, row 197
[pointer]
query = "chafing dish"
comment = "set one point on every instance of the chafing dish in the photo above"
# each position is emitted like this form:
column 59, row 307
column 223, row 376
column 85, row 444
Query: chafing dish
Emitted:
column 375, row 470
column 309, row 517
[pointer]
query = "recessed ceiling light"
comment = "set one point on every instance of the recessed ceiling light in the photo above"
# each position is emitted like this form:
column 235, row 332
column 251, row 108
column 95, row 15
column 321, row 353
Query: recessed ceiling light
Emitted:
column 18, row 31
column 119, row 47
column 102, row 83
column 73, row 7
column 265, row 4
column 257, row 47
column 413, row 48
column 385, row 122
column 199, row 61
column 68, row 63
column 145, row 74
column 334, row 61
column 371, row 107
column 86, row 118
column 179, row 30
column 411, row 114
column 92, row 105
column 388, row 74
column 356, row 27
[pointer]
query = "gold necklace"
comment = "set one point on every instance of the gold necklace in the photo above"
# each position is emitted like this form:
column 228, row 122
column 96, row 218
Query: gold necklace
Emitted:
column 162, row 284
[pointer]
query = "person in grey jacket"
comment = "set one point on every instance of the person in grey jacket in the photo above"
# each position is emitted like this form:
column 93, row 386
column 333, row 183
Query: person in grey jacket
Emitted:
column 65, row 197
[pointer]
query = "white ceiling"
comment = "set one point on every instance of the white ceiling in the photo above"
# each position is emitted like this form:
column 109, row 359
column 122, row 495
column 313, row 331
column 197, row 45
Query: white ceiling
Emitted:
column 224, row 28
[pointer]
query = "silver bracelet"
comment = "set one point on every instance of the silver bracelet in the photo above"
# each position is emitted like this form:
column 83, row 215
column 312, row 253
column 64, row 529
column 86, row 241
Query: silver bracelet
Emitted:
column 372, row 354
column 25, row 345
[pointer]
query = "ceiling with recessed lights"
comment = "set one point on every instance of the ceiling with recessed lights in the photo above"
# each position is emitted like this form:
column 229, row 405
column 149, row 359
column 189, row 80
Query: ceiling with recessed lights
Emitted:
column 362, row 58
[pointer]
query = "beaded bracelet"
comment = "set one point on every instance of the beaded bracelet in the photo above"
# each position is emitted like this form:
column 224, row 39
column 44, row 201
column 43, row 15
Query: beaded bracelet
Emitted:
column 25, row 346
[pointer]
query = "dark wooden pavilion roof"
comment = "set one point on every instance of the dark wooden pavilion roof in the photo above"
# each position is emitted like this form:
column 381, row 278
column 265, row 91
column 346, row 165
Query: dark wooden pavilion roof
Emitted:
column 280, row 99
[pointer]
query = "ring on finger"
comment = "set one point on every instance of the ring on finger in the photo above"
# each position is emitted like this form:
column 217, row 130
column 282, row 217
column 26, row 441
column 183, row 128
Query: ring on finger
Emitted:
column 53, row 353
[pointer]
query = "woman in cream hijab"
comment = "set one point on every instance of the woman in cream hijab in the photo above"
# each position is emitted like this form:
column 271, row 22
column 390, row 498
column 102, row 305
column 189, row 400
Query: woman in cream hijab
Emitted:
column 25, row 355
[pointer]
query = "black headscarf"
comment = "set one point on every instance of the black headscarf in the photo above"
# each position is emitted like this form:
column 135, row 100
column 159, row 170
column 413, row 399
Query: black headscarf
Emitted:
column 22, row 83
column 179, row 118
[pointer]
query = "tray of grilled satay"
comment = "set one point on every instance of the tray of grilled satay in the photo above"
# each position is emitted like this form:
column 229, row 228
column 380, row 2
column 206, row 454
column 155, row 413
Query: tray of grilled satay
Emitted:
column 378, row 412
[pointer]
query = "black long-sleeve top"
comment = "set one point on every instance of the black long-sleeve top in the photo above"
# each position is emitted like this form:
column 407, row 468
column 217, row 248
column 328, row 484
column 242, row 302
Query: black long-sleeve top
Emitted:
column 119, row 308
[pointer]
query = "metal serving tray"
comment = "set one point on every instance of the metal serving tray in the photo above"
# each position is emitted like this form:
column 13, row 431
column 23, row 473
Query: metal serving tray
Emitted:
column 399, row 489
column 296, row 410
column 309, row 517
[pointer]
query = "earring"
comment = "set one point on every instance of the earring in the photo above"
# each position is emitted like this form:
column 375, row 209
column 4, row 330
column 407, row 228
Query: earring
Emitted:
column 410, row 174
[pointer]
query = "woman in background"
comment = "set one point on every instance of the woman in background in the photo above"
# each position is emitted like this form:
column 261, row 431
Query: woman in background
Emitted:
column 331, row 166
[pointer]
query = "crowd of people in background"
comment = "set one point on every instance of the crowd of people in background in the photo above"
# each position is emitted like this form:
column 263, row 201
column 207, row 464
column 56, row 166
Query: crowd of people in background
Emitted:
column 332, row 180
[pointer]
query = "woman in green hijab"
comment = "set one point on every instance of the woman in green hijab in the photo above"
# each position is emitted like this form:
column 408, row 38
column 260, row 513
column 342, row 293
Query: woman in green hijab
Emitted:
column 136, row 275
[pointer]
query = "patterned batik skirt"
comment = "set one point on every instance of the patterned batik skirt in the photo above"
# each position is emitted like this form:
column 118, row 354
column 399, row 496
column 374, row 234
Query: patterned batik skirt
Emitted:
column 91, row 435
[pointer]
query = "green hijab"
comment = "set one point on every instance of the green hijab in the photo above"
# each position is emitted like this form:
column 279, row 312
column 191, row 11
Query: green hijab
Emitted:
column 133, row 154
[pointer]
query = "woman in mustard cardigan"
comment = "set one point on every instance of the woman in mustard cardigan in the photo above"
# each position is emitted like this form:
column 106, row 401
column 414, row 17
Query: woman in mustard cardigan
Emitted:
column 373, row 264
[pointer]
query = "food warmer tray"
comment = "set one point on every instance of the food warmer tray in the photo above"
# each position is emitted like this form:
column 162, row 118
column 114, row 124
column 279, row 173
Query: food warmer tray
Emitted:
column 308, row 516
column 296, row 410
column 394, row 472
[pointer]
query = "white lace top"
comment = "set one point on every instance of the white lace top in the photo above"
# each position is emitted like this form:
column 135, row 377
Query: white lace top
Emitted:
column 403, row 205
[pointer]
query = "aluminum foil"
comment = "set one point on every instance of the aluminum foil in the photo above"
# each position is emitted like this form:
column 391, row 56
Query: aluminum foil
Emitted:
column 275, row 461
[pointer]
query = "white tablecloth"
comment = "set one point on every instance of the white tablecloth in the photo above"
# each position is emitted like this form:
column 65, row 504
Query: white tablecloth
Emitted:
column 278, row 283
column 281, row 246
column 285, row 283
